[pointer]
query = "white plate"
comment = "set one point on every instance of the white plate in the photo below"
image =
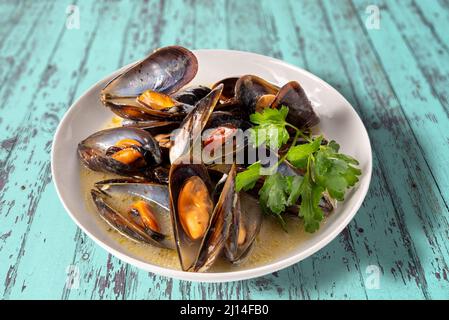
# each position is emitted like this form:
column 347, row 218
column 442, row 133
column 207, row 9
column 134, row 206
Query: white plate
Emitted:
column 339, row 121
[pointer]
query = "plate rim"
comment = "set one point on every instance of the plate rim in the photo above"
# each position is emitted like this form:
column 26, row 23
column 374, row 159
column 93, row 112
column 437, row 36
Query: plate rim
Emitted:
column 219, row 276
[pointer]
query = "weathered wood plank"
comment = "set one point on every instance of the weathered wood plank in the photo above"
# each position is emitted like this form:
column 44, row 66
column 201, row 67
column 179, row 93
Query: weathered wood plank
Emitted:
column 40, row 119
column 407, row 175
column 421, row 106
column 16, row 202
column 12, row 15
column 429, row 51
column 434, row 16
column 428, row 48
column 137, row 43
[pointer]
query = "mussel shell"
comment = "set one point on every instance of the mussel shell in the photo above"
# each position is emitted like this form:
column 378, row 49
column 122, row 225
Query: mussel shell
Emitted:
column 130, row 108
column 152, row 126
column 246, row 212
column 179, row 173
column 219, row 118
column 166, row 70
column 154, row 194
column 229, row 147
column 220, row 222
column 301, row 113
column 189, row 132
column 191, row 95
column 93, row 151
column 158, row 175
column 118, row 222
column 228, row 88
column 250, row 88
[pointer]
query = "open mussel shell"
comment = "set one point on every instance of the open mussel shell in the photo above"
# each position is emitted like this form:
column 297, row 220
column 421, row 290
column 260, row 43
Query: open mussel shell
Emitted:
column 246, row 223
column 131, row 108
column 166, row 70
column 189, row 132
column 152, row 192
column 191, row 207
column 224, row 137
column 99, row 151
column 228, row 92
column 228, row 101
column 254, row 93
column 162, row 73
column 218, row 118
column 300, row 112
column 180, row 174
column 191, row 95
column 114, row 200
column 152, row 126
column 220, row 223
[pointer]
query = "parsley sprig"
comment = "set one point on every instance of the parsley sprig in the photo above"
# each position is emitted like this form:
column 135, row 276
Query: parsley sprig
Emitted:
column 326, row 170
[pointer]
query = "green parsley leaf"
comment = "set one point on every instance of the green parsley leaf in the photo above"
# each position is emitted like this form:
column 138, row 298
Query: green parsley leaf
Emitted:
column 270, row 116
column 270, row 127
column 247, row 179
column 274, row 193
column 295, row 190
column 298, row 155
column 309, row 208
column 274, row 136
column 335, row 171
column 334, row 145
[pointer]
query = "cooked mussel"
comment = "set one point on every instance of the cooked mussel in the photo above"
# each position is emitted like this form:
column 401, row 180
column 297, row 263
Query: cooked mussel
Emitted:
column 149, row 106
column 200, row 224
column 154, row 127
column 218, row 118
column 223, row 137
column 166, row 70
column 228, row 92
column 191, row 95
column 189, row 132
column 246, row 223
column 191, row 203
column 143, row 91
column 137, row 209
column 255, row 93
column 220, row 222
column 301, row 113
column 124, row 151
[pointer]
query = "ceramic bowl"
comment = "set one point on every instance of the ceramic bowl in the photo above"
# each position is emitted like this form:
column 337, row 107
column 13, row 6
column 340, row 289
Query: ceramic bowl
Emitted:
column 339, row 121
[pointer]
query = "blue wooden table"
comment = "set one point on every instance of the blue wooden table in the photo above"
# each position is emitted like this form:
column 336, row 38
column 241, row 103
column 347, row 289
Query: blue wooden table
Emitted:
column 390, row 60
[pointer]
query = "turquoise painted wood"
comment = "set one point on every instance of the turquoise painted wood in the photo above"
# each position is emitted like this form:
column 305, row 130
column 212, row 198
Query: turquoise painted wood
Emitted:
column 395, row 76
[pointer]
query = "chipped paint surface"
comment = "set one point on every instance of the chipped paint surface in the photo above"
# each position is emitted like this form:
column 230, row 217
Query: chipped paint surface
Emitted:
column 396, row 78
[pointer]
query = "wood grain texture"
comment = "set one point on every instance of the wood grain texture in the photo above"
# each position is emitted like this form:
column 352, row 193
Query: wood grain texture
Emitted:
column 396, row 78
